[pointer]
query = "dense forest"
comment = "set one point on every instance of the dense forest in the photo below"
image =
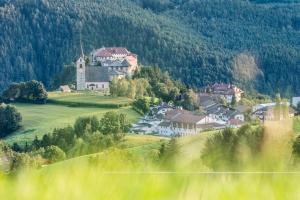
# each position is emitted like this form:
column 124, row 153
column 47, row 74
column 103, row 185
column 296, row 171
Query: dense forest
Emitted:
column 196, row 41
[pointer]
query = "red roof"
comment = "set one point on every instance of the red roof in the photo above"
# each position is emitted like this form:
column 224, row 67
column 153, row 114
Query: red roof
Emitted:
column 226, row 89
column 110, row 51
column 183, row 116
column 236, row 122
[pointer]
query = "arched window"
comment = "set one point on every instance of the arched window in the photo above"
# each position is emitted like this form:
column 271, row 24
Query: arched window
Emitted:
column 80, row 66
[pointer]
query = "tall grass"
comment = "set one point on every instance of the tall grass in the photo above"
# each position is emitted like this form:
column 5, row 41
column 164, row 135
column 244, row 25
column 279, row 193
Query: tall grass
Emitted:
column 126, row 174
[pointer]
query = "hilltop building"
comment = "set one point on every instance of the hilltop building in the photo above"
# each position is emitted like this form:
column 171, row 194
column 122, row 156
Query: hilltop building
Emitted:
column 226, row 91
column 96, row 71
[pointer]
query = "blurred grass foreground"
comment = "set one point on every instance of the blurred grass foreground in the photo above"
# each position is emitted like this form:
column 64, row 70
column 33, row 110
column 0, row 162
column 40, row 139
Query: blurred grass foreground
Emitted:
column 258, row 164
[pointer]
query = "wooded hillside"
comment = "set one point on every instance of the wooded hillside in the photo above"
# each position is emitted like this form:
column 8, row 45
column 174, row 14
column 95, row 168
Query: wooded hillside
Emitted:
column 199, row 42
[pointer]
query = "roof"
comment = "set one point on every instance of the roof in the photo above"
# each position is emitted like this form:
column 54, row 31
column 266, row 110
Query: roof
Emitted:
column 210, row 126
column 110, row 51
column 97, row 74
column 100, row 74
column 165, row 124
column 187, row 118
column 235, row 122
column 243, row 108
column 203, row 97
column 115, row 63
column 115, row 72
column 270, row 109
column 219, row 109
column 173, row 113
column 226, row 89
column 183, row 116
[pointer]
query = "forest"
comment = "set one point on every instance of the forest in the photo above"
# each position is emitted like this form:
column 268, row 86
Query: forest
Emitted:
column 199, row 42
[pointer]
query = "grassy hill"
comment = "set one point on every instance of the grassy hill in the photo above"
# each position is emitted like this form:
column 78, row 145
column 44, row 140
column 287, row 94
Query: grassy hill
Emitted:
column 41, row 119
column 205, row 39
column 139, row 145
column 143, row 146
column 116, row 177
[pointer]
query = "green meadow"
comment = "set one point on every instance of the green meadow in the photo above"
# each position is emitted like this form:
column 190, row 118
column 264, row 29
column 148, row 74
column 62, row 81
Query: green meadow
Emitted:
column 41, row 119
column 87, row 99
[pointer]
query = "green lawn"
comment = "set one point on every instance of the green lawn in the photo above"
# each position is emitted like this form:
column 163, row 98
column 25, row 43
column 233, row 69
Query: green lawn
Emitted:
column 41, row 119
column 87, row 98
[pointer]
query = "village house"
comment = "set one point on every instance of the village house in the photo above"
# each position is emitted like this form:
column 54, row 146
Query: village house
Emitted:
column 65, row 89
column 226, row 91
column 219, row 113
column 268, row 112
column 104, row 65
column 222, row 114
column 179, row 122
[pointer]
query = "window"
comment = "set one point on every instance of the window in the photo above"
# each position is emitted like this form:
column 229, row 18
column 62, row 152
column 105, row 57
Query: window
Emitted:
column 80, row 66
column 102, row 85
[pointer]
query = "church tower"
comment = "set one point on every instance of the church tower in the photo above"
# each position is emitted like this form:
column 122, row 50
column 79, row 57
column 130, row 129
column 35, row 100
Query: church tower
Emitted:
column 80, row 68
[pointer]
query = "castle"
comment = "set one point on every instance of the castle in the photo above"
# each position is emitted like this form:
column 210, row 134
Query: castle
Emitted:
column 97, row 70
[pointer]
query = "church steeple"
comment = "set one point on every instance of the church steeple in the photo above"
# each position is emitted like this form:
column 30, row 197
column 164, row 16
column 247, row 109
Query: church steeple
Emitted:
column 82, row 53
column 80, row 66
column 81, row 48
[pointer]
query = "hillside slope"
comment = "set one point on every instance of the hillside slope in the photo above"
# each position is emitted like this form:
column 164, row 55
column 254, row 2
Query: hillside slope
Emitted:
column 207, row 40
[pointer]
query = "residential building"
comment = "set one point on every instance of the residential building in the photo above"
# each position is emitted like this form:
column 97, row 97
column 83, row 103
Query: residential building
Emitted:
column 180, row 122
column 226, row 91
column 222, row 114
column 270, row 112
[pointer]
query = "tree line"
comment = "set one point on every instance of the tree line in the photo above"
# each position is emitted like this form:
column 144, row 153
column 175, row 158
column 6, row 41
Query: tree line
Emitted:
column 154, row 83
column 25, row 92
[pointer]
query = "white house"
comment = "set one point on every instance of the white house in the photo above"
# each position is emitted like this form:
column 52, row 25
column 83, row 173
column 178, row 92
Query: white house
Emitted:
column 65, row 89
column 182, row 123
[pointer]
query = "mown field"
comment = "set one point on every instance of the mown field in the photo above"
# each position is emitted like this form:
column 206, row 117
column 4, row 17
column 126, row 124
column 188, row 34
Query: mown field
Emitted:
column 41, row 119
column 87, row 99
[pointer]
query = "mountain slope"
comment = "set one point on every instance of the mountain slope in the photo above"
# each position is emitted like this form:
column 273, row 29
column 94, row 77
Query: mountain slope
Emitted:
column 199, row 41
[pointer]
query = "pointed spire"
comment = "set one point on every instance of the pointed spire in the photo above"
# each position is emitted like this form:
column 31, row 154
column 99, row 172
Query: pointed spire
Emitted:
column 82, row 53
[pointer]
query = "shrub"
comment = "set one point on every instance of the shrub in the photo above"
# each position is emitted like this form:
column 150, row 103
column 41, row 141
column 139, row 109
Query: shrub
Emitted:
column 86, row 125
column 10, row 119
column 54, row 154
